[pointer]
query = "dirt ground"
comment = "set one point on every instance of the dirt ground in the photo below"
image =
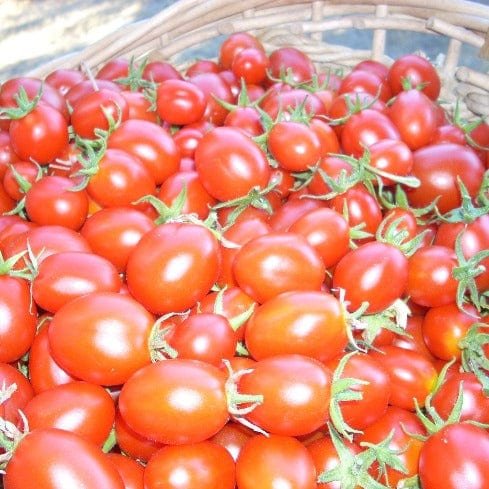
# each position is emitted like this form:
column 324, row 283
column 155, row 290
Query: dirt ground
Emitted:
column 33, row 32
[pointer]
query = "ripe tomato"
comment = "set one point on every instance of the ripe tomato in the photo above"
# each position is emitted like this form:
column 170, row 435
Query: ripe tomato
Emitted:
column 275, row 461
column 64, row 78
column 235, row 43
column 465, row 449
column 290, row 61
column 64, row 276
column 310, row 323
column 204, row 464
column 50, row 457
column 364, row 81
column 277, row 262
column 230, row 163
column 438, row 168
column 180, row 262
column 54, row 200
column 79, row 337
column 9, row 408
column 113, row 232
column 281, row 413
column 175, row 401
column 28, row 170
column 80, row 407
column 232, row 436
column 251, row 65
column 131, row 470
column 412, row 375
column 363, row 272
column 41, row 135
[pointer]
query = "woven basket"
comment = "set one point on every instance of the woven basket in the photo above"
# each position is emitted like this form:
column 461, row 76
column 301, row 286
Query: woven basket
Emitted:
column 453, row 34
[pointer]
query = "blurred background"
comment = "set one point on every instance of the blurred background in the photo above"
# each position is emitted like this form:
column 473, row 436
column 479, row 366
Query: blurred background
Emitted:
column 33, row 32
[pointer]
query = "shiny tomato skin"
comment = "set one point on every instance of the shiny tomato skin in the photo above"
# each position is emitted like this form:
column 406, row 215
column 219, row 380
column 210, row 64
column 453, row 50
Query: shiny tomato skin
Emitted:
column 465, row 449
column 80, row 407
column 364, row 272
column 130, row 470
column 9, row 409
column 232, row 436
column 412, row 375
column 281, row 412
column 205, row 464
column 58, row 459
column 41, row 135
column 274, row 461
column 66, row 275
column 230, row 163
column 430, row 282
column 151, row 144
column 438, row 167
column 233, row 44
column 181, row 263
column 76, row 330
column 113, row 232
column 18, row 319
column 175, row 401
column 293, row 60
column 277, row 262
column 310, row 323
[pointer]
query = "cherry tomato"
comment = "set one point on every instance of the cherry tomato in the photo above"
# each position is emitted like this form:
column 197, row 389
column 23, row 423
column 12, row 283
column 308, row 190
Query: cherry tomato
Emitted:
column 9, row 408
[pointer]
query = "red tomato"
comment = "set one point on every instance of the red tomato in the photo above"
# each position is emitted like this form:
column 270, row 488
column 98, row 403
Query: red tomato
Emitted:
column 23, row 393
column 64, row 78
column 363, row 272
column 64, row 276
column 53, row 458
column 180, row 262
column 281, row 412
column 235, row 43
column 79, row 337
column 94, row 110
column 465, row 449
column 251, row 65
column 29, row 173
column 412, row 375
column 206, row 465
column 80, row 407
column 230, row 163
column 292, row 62
column 139, row 106
column 274, row 461
column 175, row 401
column 438, row 168
column 364, row 81
column 232, row 436
column 310, row 323
column 277, row 262
column 130, row 470
column 159, row 71
column 53, row 200
column 41, row 135
column 113, row 232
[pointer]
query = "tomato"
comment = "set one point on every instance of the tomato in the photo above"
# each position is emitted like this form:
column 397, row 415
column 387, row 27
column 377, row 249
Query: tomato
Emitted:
column 363, row 272
column 114, row 68
column 180, row 102
column 64, row 78
column 418, row 72
column 41, row 135
column 294, row 145
column 275, row 461
column 286, row 101
column 438, row 168
column 412, row 375
column 53, row 458
column 180, row 262
column 44, row 372
column 310, row 323
column 444, row 326
column 291, row 62
column 175, row 401
column 18, row 318
column 365, row 128
column 413, row 339
column 460, row 465
column 208, row 337
column 139, row 106
column 158, row 71
column 413, row 113
column 64, row 276
column 430, row 281
column 28, row 171
column 7, row 154
column 204, row 464
column 327, row 231
column 53, row 200
column 232, row 436
column 374, row 388
column 80, row 407
column 291, row 211
column 197, row 200
column 79, row 90
column 401, row 424
column 130, row 470
column 364, row 81
column 78, row 336
column 372, row 65
column 230, row 163
column 233, row 44
column 113, row 232
column 9, row 408
column 94, row 110
column 251, row 65
column 277, row 262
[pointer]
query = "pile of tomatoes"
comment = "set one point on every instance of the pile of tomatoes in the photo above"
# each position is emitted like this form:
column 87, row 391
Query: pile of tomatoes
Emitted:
column 252, row 272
